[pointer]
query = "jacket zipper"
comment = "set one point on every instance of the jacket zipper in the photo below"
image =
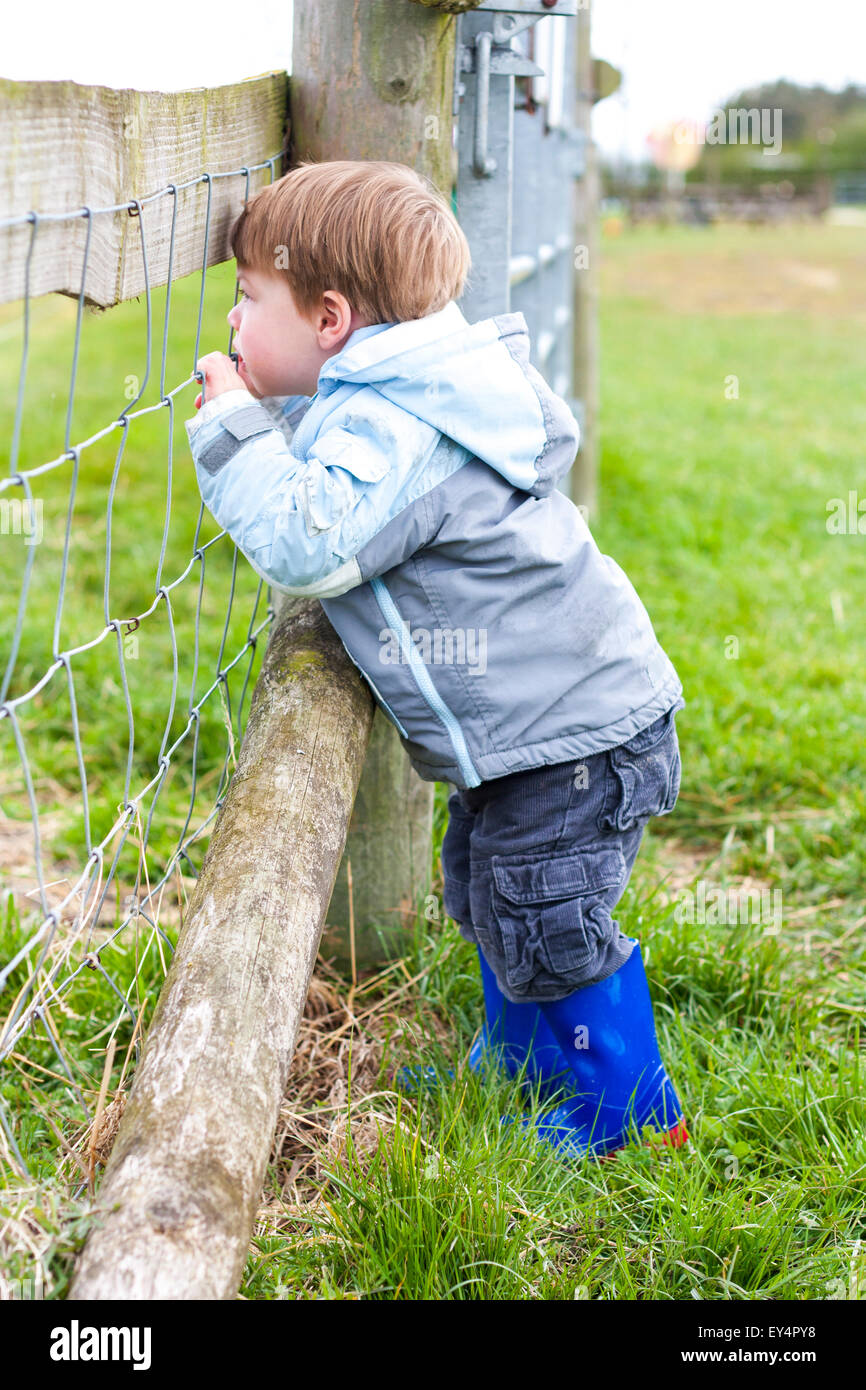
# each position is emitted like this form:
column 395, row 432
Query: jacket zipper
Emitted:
column 392, row 614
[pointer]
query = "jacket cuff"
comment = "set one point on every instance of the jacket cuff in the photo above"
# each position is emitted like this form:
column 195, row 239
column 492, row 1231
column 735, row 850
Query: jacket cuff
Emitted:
column 227, row 400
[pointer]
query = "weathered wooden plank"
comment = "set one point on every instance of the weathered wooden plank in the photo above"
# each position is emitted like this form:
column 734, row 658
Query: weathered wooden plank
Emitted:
column 177, row 1202
column 66, row 146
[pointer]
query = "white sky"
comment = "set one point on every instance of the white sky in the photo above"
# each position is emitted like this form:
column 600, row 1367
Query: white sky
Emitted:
column 680, row 57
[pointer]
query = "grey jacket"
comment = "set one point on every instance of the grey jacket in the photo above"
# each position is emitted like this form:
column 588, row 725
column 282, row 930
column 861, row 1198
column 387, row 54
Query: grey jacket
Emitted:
column 415, row 496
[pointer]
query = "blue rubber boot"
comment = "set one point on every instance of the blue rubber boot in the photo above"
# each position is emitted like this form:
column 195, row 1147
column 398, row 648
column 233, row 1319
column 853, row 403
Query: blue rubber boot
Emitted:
column 607, row 1033
column 519, row 1037
column 515, row 1036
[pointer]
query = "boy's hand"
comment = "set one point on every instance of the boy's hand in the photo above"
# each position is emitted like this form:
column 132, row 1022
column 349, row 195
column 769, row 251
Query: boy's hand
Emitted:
column 220, row 374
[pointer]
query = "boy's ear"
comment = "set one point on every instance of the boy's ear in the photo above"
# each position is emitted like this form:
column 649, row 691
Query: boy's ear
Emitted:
column 336, row 303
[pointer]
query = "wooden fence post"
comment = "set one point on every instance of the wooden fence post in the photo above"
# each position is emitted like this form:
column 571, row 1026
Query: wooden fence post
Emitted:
column 375, row 81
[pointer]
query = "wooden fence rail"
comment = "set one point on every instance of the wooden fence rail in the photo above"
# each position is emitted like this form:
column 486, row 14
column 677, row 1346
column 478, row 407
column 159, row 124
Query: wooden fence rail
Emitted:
column 66, row 146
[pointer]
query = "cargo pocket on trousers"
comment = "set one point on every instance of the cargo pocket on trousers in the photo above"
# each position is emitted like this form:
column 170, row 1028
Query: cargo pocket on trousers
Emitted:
column 552, row 913
column 644, row 776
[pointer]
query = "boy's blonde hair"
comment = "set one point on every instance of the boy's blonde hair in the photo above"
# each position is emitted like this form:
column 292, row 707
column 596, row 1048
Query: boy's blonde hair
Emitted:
column 378, row 232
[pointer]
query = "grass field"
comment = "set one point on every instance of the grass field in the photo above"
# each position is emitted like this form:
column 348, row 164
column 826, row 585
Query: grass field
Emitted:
column 733, row 412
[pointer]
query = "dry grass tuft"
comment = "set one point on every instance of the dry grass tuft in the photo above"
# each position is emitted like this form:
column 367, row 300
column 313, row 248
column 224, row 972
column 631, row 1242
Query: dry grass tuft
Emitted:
column 338, row 1083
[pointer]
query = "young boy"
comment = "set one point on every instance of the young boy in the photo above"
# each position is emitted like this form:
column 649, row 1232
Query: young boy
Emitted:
column 376, row 451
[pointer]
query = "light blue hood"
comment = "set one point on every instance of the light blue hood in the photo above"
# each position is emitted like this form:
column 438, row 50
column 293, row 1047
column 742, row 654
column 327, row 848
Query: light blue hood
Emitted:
column 471, row 382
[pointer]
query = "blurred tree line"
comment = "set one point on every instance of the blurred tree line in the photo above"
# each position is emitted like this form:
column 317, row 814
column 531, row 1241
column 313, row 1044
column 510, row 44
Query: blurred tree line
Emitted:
column 823, row 134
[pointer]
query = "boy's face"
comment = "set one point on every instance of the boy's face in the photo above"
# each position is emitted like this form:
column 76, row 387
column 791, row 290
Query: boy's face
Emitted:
column 280, row 352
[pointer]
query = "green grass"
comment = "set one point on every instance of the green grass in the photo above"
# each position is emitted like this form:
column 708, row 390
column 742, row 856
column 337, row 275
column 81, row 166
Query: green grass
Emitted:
column 451, row 1203
column 716, row 509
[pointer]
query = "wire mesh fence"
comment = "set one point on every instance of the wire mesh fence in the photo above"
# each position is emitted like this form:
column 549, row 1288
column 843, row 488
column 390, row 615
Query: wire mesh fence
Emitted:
column 130, row 637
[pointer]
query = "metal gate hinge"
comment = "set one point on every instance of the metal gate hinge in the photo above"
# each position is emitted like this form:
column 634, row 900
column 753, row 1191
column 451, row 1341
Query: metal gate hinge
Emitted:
column 486, row 59
column 504, row 61
column 490, row 55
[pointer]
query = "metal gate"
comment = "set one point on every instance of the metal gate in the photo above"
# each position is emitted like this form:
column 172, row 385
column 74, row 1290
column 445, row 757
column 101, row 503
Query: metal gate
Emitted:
column 520, row 160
